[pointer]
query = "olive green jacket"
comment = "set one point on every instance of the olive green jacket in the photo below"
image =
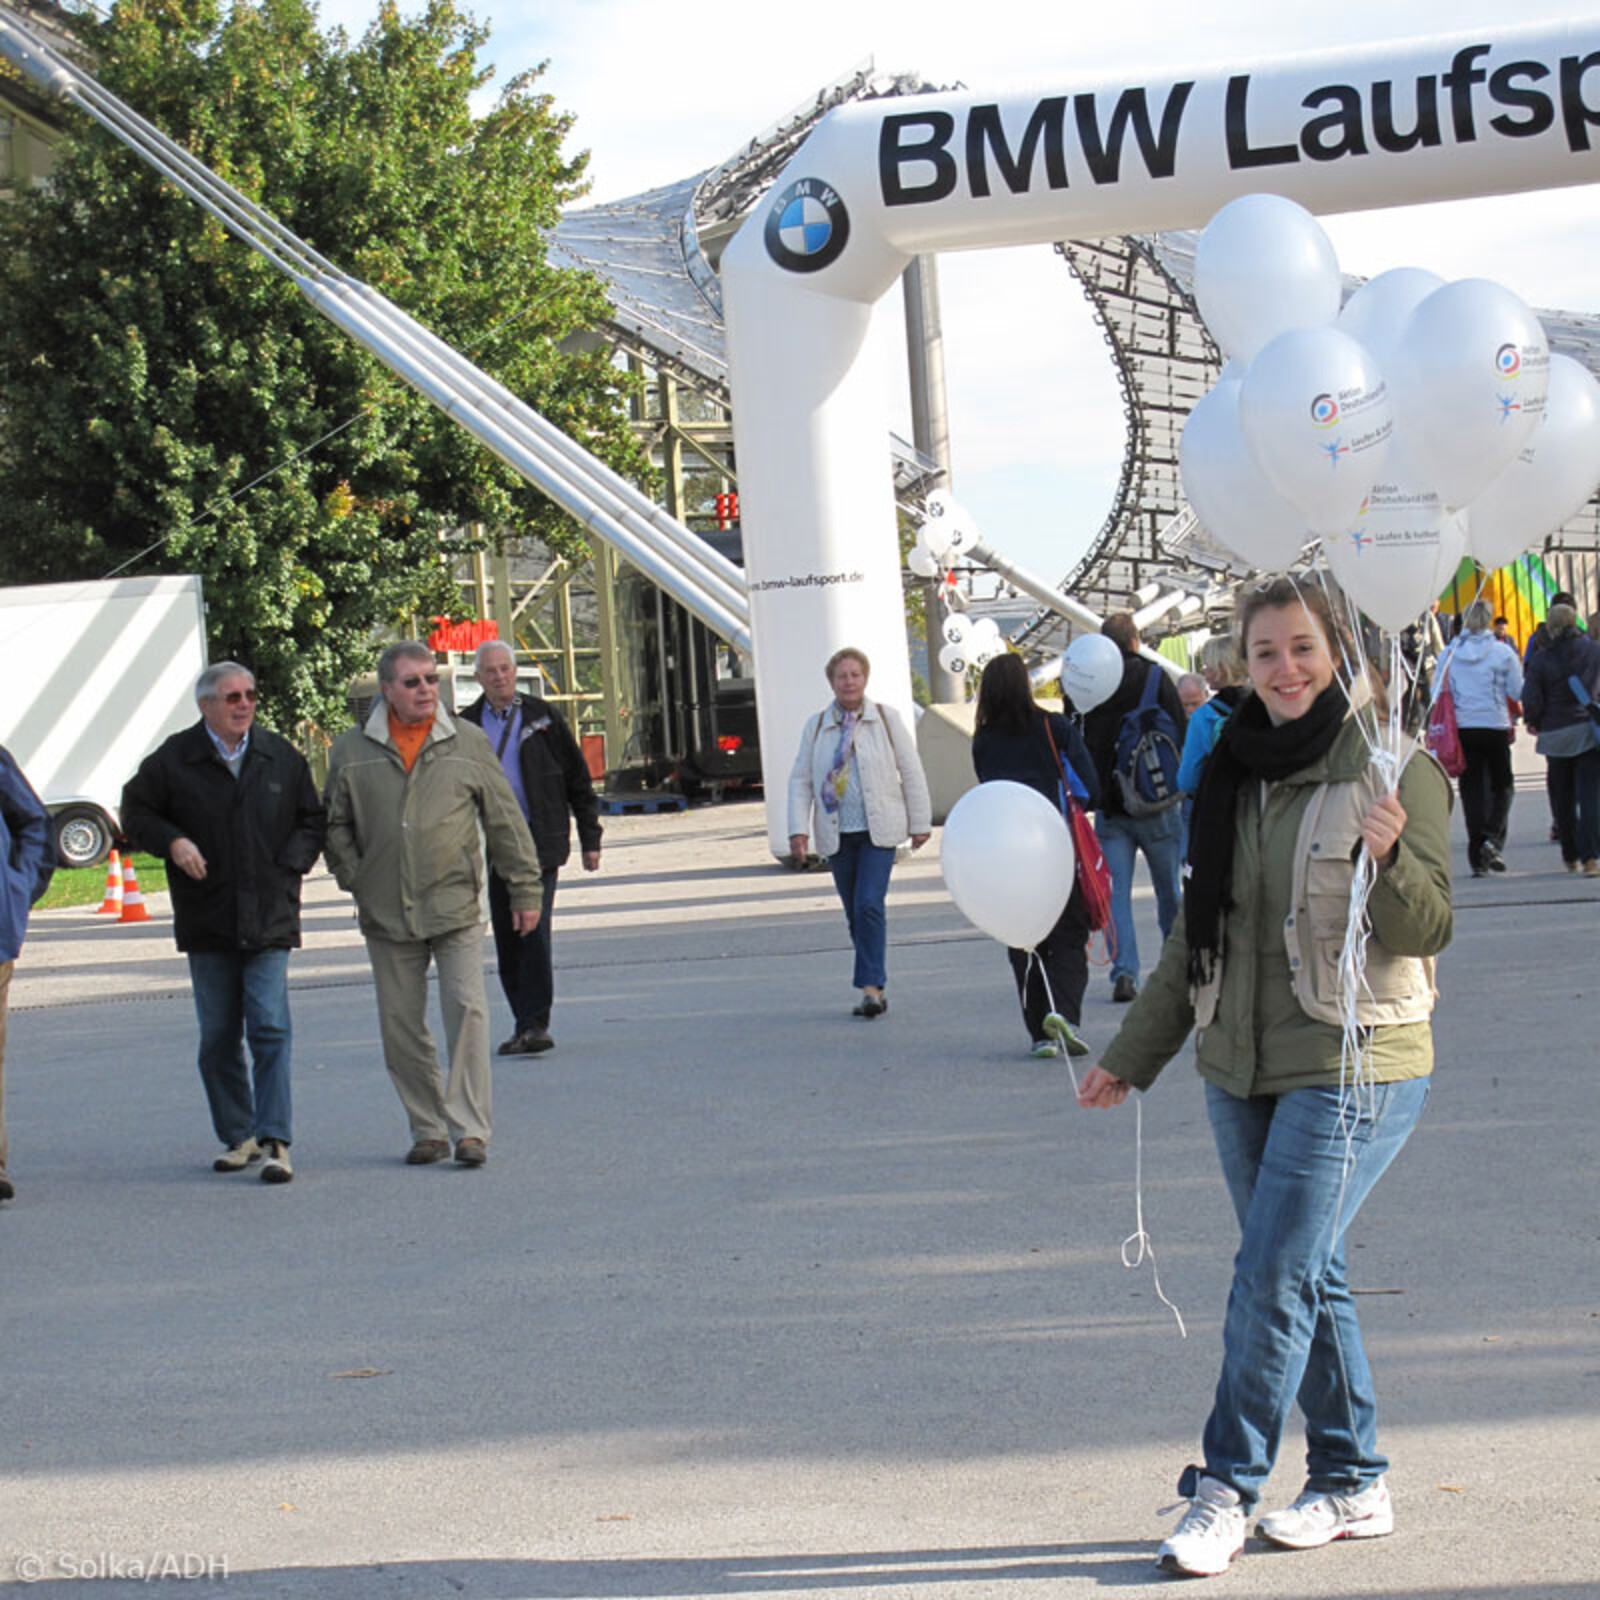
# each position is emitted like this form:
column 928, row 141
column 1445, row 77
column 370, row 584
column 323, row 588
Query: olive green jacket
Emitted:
column 409, row 845
column 1270, row 1013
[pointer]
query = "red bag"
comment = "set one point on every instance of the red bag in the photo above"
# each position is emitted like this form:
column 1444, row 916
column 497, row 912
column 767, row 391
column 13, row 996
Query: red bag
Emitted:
column 1094, row 876
column 1444, row 738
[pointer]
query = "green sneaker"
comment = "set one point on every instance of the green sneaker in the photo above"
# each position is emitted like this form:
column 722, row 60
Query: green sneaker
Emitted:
column 1060, row 1030
column 1045, row 1050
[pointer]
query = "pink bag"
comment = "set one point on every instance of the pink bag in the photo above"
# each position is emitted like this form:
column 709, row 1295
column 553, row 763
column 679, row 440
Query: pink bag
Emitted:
column 1444, row 738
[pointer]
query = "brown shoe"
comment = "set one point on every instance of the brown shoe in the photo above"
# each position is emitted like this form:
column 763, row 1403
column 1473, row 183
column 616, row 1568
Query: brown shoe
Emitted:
column 426, row 1151
column 530, row 1042
column 471, row 1152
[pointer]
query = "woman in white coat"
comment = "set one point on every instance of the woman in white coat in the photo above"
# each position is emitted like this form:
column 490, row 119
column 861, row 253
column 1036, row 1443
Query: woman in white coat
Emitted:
column 858, row 788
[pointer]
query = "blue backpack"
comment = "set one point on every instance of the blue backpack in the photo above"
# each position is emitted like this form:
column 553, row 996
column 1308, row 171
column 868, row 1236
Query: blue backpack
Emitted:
column 1149, row 750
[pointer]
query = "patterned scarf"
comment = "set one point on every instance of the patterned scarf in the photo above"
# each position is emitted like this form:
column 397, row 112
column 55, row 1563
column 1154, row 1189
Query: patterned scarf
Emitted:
column 838, row 776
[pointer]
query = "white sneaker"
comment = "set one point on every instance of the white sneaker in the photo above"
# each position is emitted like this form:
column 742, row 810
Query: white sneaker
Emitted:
column 1210, row 1535
column 1318, row 1519
column 276, row 1168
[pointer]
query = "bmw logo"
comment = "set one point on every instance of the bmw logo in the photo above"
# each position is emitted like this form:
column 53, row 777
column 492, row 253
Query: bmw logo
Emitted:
column 807, row 226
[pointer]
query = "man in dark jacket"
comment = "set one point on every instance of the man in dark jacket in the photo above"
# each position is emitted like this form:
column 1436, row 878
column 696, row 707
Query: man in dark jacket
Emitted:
column 233, row 809
column 26, row 863
column 546, row 769
column 1160, row 837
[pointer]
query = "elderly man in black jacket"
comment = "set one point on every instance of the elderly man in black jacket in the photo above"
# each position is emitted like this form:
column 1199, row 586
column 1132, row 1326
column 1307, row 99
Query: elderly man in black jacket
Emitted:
column 546, row 769
column 233, row 809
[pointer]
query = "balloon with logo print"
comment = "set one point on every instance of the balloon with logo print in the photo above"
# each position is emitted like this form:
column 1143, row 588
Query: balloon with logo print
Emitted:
column 956, row 627
column 947, row 529
column 1263, row 267
column 1315, row 417
column 1469, row 377
column 1402, row 549
column 1377, row 313
column 955, row 658
column 1551, row 478
column 1008, row 861
column 1091, row 671
column 1229, row 492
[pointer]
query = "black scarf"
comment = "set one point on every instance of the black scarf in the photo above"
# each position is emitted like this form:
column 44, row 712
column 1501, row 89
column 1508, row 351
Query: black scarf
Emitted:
column 1250, row 750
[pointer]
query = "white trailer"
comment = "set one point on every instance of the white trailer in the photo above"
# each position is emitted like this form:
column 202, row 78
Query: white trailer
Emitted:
column 95, row 675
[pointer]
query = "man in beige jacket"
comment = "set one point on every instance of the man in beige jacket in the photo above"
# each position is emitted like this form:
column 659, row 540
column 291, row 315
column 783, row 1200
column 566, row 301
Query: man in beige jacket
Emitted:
column 412, row 797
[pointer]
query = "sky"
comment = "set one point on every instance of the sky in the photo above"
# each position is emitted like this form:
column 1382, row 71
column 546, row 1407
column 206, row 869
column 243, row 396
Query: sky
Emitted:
column 661, row 91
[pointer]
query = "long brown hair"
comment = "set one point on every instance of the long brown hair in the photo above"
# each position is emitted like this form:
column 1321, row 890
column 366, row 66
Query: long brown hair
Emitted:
column 1005, row 697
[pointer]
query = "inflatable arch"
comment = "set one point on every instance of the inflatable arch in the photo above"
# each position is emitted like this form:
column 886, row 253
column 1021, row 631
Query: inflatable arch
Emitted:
column 880, row 182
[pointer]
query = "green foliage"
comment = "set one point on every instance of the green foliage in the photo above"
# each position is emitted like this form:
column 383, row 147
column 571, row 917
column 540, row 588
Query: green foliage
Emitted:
column 152, row 367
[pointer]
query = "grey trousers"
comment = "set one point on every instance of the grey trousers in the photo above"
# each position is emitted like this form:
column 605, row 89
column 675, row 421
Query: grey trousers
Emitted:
column 458, row 1106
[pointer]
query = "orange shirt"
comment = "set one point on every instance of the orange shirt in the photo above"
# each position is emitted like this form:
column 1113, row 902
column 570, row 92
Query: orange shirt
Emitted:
column 409, row 738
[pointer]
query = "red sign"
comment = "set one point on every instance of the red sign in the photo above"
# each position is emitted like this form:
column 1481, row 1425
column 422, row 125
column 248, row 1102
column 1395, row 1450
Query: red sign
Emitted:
column 463, row 637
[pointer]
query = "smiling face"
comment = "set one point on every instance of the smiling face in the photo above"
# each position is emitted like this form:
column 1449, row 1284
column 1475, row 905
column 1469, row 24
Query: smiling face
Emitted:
column 849, row 682
column 497, row 674
column 1287, row 654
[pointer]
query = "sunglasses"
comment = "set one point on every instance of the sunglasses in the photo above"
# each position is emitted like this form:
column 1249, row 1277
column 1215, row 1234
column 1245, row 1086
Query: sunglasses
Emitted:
column 419, row 679
column 240, row 697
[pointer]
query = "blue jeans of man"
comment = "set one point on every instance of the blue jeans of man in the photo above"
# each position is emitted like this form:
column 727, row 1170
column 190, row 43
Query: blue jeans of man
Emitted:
column 243, row 995
column 1291, row 1331
column 1121, row 838
column 861, row 875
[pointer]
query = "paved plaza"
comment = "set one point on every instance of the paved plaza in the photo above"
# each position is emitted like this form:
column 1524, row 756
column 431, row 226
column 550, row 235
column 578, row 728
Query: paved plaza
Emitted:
column 755, row 1298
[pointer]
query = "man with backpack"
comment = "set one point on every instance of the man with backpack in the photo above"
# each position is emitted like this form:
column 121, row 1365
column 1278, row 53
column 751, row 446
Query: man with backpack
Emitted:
column 1136, row 741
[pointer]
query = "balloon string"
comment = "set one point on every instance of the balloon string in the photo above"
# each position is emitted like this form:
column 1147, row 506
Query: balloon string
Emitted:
column 1138, row 1245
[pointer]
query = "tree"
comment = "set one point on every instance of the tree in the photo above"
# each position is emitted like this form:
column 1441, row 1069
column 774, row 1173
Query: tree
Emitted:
column 152, row 368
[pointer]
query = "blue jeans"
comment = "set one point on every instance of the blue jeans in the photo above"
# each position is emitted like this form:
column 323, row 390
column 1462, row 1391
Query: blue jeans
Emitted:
column 1161, row 839
column 238, row 995
column 861, row 875
column 1291, row 1331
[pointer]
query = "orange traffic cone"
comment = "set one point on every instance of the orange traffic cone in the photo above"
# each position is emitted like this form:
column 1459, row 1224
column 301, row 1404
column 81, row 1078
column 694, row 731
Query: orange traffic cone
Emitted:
column 112, row 904
column 133, row 907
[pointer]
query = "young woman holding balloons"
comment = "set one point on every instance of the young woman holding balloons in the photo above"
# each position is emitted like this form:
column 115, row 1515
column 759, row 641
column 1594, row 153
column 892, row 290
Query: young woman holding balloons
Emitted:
column 1290, row 808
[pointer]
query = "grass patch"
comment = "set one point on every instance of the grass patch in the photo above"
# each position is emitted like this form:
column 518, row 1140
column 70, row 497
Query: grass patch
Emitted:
column 86, row 886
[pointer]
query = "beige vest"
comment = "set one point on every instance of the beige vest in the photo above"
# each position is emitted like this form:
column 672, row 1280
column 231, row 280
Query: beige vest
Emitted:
column 1394, row 988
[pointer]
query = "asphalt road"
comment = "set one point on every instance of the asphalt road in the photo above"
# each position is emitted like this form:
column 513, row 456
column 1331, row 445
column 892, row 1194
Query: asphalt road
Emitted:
column 755, row 1298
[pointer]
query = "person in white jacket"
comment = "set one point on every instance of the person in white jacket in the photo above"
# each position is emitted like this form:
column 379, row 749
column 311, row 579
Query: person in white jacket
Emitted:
column 857, row 774
column 1484, row 677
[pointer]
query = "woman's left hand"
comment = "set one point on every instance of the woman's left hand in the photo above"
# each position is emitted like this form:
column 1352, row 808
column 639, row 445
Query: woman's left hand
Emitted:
column 1381, row 827
column 919, row 839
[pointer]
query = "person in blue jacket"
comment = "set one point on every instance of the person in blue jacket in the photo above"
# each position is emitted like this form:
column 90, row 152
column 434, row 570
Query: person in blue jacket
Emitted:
column 28, row 862
column 1017, row 740
column 1223, row 672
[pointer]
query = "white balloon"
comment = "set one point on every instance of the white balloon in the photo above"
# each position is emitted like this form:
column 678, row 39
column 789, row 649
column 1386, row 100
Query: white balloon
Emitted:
column 948, row 528
column 922, row 561
column 1377, row 313
column 1008, row 862
column 1315, row 416
column 955, row 658
column 1262, row 267
column 985, row 628
column 956, row 627
column 1552, row 477
column 1470, row 374
column 1401, row 551
column 1091, row 671
column 1228, row 491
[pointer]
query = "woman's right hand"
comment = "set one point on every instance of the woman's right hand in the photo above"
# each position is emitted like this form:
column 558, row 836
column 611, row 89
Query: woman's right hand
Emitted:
column 1101, row 1091
column 797, row 848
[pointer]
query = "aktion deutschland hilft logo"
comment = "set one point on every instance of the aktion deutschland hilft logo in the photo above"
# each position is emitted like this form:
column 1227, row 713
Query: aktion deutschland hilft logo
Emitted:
column 1325, row 411
column 1508, row 361
column 807, row 226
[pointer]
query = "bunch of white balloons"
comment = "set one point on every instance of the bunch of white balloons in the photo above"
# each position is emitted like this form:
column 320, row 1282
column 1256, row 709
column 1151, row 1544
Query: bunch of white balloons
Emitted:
column 1422, row 422
column 946, row 532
